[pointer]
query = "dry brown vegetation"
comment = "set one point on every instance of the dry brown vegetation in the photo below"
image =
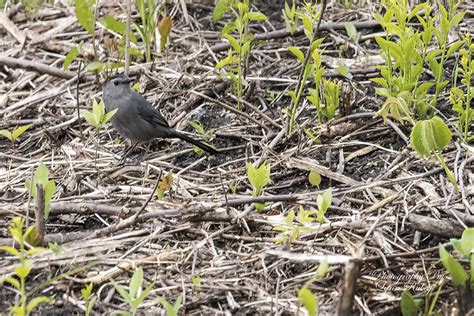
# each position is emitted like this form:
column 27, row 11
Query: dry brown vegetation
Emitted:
column 390, row 211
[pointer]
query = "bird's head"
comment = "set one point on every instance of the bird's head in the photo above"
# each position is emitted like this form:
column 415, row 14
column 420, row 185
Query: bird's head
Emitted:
column 117, row 85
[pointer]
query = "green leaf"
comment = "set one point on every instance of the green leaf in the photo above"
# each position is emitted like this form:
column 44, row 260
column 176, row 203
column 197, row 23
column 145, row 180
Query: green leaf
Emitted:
column 467, row 242
column 11, row 250
column 24, row 270
column 18, row 131
column 85, row 14
column 309, row 301
column 258, row 178
column 41, row 174
column 143, row 295
column 95, row 66
column 33, row 303
column 322, row 270
column 428, row 136
column 118, row 27
column 455, row 269
column 408, row 305
column 70, row 57
column 314, row 178
column 136, row 281
column 297, row 52
column 383, row 83
column 454, row 47
column 351, row 30
column 14, row 282
column 87, row 291
column 89, row 116
column 55, row 248
column 324, row 200
column 109, row 115
column 234, row 43
column 122, row 292
column 221, row 8
column 255, row 16
column 6, row 134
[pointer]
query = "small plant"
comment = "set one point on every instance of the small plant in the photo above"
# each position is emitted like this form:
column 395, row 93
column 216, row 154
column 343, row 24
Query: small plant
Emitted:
column 13, row 135
column 25, row 306
column 197, row 283
column 291, row 17
column 171, row 310
column 291, row 231
column 88, row 298
column 98, row 117
column 412, row 307
column 240, row 45
column 308, row 298
column 135, row 295
column 465, row 247
column 72, row 55
column 331, row 98
column 430, row 138
column 314, row 178
column 147, row 29
column 461, row 99
column 206, row 135
column 258, row 178
column 49, row 186
column 405, row 51
column 464, row 281
column 323, row 201
column 165, row 184
column 310, row 66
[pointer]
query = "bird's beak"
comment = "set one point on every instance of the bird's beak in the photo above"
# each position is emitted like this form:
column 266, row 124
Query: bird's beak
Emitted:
column 128, row 80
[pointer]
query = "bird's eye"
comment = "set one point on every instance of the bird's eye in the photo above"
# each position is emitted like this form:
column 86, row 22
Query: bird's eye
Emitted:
column 116, row 82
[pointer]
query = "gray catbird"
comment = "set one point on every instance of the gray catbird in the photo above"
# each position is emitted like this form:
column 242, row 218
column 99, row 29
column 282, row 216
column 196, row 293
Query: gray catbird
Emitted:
column 138, row 120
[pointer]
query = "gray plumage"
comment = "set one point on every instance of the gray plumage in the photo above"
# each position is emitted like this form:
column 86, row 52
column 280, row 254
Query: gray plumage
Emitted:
column 136, row 119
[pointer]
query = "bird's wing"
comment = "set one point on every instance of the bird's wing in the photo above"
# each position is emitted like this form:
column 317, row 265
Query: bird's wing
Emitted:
column 147, row 112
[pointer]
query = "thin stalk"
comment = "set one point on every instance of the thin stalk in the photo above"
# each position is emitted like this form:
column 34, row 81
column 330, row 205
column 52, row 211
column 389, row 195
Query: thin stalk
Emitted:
column 448, row 172
column 300, row 84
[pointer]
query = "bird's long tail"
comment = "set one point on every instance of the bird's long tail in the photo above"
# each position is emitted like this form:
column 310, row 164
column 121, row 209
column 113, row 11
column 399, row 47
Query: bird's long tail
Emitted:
column 196, row 142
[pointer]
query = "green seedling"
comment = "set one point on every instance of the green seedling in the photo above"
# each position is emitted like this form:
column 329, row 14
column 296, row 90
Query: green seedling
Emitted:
column 314, row 178
column 85, row 14
column 146, row 30
column 171, row 310
column 13, row 135
column 323, row 201
column 352, row 32
column 72, row 55
column 89, row 299
column 207, row 135
column 55, row 248
column 258, row 178
column 40, row 177
column 291, row 231
column 448, row 20
column 307, row 298
column 98, row 117
column 26, row 305
column 197, row 283
column 409, row 305
column 291, row 17
column 165, row 184
column 240, row 45
column 461, row 99
column 405, row 51
column 430, row 138
column 135, row 295
column 465, row 247
column 331, row 98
